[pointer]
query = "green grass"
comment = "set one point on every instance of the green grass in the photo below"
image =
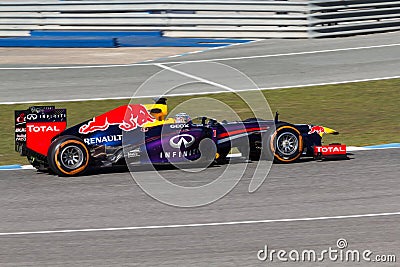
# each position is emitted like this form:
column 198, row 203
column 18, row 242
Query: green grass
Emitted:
column 365, row 113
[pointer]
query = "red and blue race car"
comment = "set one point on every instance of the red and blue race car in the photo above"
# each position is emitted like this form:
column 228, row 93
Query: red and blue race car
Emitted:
column 142, row 134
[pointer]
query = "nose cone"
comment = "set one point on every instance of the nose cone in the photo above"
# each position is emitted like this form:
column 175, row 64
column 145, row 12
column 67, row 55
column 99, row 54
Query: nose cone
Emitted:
column 330, row 131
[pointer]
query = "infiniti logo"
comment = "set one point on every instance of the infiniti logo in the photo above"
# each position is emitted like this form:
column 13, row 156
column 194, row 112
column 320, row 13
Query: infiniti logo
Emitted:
column 31, row 117
column 186, row 139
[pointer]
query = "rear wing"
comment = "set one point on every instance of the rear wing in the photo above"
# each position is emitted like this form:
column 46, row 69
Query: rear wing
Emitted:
column 35, row 128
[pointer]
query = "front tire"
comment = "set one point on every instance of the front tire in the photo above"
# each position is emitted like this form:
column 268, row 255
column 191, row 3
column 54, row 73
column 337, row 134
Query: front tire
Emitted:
column 68, row 156
column 286, row 144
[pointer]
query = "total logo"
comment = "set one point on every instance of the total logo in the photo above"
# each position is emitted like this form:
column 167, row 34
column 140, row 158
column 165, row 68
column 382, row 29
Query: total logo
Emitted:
column 43, row 128
column 340, row 149
column 183, row 139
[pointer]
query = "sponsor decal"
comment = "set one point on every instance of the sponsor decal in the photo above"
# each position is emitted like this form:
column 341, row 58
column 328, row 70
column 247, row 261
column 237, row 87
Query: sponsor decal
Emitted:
column 179, row 154
column 39, row 109
column 330, row 150
column 103, row 139
column 37, row 126
column 127, row 118
column 20, row 130
column 46, row 117
column 20, row 137
column 53, row 116
column 21, row 118
column 43, row 128
column 183, row 139
column 178, row 126
column 316, row 129
column 31, row 117
column 40, row 134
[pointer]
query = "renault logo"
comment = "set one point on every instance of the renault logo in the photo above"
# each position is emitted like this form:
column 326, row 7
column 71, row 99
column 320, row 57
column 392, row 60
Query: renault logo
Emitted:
column 186, row 139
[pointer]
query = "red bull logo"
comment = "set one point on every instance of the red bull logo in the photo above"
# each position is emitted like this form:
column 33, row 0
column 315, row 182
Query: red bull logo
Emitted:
column 127, row 118
column 21, row 118
column 316, row 129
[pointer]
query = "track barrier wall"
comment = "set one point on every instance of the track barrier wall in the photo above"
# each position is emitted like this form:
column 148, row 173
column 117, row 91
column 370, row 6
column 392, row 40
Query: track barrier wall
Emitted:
column 195, row 19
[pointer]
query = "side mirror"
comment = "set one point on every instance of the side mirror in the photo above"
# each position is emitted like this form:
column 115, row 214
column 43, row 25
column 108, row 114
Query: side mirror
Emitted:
column 276, row 117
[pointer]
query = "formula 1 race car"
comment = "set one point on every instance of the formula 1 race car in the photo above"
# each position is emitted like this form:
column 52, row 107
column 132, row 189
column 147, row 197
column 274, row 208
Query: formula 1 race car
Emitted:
column 142, row 134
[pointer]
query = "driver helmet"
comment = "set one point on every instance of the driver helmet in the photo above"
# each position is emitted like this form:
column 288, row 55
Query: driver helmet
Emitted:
column 182, row 118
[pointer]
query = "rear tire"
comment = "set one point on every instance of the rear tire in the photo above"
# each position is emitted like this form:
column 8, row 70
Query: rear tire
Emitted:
column 68, row 156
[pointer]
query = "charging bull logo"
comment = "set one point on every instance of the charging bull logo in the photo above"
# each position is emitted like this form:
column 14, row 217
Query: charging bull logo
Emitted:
column 20, row 118
column 316, row 129
column 127, row 118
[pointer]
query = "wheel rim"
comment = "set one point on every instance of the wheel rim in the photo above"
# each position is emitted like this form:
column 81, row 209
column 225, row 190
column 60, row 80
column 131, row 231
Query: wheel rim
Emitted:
column 71, row 157
column 287, row 143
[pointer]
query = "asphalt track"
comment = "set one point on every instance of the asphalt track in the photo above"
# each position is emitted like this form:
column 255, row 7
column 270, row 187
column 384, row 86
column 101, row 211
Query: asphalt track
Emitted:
column 366, row 184
column 270, row 63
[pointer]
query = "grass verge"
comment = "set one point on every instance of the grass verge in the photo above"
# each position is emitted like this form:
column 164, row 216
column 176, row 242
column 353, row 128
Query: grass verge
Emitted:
column 365, row 113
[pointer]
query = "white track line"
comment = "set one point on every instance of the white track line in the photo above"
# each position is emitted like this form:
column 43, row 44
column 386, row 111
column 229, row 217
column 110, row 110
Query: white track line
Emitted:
column 286, row 54
column 203, row 60
column 196, row 93
column 361, row 148
column 27, row 167
column 66, row 231
column 197, row 78
column 201, row 51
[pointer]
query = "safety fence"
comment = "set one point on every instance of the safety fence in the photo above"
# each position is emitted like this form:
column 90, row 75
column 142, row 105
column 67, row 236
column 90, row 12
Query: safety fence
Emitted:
column 351, row 17
column 204, row 18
